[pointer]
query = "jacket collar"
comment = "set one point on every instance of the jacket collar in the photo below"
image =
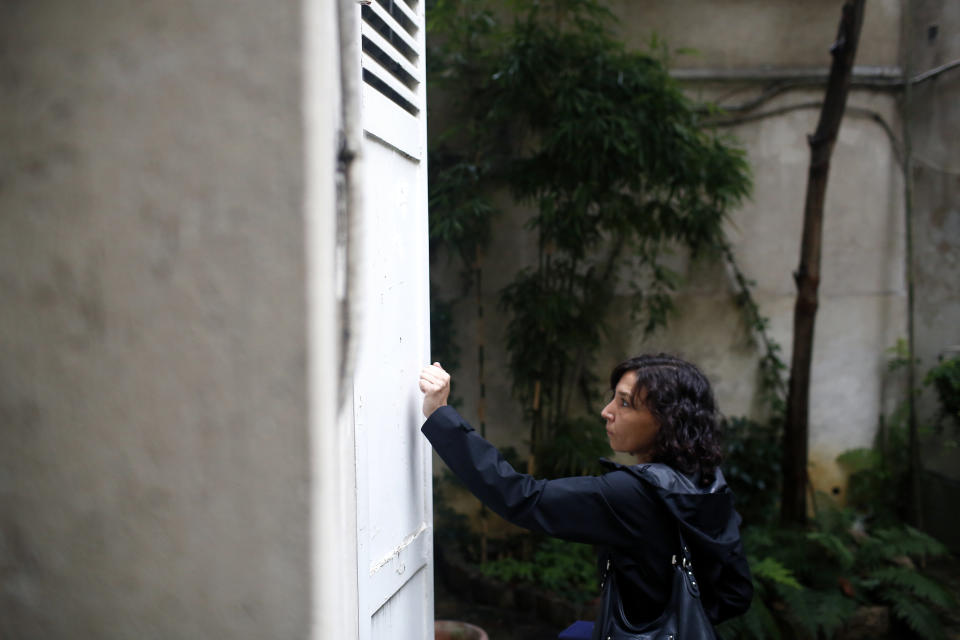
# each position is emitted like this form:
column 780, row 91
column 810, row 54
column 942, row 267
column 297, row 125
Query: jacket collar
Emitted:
column 667, row 480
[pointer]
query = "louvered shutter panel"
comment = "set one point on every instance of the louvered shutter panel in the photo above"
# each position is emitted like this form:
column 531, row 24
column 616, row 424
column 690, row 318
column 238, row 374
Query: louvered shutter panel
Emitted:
column 394, row 506
column 392, row 43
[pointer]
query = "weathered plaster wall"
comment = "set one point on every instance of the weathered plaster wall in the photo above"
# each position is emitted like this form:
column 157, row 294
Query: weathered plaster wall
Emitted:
column 862, row 295
column 934, row 40
column 862, row 291
column 153, row 470
column 737, row 34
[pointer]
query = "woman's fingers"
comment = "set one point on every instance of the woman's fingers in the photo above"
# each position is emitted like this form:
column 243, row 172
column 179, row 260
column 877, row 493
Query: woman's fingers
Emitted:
column 427, row 379
column 435, row 385
column 434, row 375
column 429, row 386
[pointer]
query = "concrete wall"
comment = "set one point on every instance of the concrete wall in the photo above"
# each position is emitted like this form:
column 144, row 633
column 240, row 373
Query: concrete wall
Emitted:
column 862, row 295
column 738, row 34
column 153, row 449
column 934, row 40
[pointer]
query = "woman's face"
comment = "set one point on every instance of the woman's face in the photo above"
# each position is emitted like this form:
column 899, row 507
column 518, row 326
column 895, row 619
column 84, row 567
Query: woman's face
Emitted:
column 630, row 429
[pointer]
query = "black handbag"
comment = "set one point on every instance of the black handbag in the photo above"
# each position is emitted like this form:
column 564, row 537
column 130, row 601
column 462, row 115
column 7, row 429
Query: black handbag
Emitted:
column 682, row 619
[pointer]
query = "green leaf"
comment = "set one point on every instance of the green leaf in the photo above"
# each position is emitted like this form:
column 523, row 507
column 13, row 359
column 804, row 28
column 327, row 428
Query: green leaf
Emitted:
column 919, row 617
column 834, row 545
column 907, row 541
column 856, row 460
column 919, row 585
column 819, row 611
column 772, row 569
column 758, row 623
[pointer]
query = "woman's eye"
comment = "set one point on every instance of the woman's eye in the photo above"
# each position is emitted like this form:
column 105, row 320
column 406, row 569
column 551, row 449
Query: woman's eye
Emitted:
column 625, row 403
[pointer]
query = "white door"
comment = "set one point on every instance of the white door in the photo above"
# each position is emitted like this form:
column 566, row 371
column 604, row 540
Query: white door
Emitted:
column 394, row 505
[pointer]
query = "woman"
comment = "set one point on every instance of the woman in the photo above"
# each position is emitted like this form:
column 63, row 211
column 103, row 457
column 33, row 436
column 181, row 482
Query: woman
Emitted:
column 662, row 412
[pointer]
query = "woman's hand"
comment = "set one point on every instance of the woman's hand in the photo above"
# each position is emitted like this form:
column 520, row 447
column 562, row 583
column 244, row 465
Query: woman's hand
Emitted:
column 435, row 384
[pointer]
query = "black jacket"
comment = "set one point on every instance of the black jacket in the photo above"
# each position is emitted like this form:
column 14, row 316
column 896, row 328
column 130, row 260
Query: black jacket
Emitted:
column 631, row 512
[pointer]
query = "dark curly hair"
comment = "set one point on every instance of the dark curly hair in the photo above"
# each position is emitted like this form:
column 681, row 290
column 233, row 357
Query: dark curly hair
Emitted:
column 680, row 399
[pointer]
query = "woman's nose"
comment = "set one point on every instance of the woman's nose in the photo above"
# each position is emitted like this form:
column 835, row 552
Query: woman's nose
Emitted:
column 605, row 413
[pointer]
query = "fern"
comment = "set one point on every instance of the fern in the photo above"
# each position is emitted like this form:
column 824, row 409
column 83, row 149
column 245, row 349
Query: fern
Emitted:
column 907, row 541
column 909, row 592
column 835, row 546
column 818, row 611
column 809, row 583
column 891, row 543
column 918, row 616
column 831, row 517
column 832, row 610
column 773, row 570
column 797, row 584
column 758, row 623
column 916, row 583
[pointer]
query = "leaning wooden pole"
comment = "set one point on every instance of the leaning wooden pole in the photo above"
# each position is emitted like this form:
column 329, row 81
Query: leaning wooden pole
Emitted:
column 793, row 510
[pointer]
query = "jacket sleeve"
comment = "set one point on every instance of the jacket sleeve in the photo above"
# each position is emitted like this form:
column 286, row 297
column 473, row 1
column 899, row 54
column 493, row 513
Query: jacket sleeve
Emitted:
column 612, row 509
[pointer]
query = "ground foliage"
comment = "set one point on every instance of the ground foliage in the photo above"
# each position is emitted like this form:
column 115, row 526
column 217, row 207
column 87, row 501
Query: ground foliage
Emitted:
column 808, row 582
column 567, row 569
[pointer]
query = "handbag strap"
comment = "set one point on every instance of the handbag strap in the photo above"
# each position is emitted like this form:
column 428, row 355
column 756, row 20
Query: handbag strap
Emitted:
column 685, row 557
column 686, row 562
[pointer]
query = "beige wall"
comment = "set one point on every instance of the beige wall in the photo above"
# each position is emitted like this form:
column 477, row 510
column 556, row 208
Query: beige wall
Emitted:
column 735, row 34
column 934, row 38
column 153, row 458
column 863, row 293
column 935, row 122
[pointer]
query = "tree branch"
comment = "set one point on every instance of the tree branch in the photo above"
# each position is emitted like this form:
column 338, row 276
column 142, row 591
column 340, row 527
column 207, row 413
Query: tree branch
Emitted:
column 796, row 430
